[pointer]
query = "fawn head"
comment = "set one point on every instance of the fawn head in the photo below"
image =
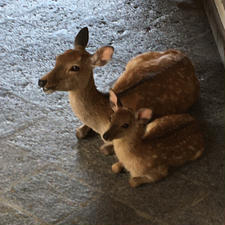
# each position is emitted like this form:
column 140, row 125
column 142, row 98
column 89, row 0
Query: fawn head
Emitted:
column 74, row 67
column 124, row 120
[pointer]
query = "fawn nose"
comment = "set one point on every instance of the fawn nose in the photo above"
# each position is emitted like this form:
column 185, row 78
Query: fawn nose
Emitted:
column 42, row 83
column 106, row 136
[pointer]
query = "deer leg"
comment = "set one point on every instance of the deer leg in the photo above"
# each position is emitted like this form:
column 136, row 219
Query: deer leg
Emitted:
column 154, row 175
column 107, row 149
column 117, row 167
column 82, row 131
column 137, row 181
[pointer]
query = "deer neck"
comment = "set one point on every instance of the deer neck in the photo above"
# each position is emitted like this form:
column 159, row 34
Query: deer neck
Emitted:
column 91, row 106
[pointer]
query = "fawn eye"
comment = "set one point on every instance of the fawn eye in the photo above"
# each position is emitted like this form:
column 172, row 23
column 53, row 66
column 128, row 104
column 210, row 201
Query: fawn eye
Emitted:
column 75, row 68
column 125, row 125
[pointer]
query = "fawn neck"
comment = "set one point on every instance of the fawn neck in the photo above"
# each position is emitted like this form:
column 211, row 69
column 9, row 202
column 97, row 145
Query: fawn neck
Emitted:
column 91, row 106
column 132, row 138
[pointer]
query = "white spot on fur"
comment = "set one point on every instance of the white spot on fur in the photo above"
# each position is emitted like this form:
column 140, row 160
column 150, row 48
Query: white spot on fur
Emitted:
column 198, row 154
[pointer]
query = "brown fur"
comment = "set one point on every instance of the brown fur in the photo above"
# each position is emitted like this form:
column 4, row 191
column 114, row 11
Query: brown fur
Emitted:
column 169, row 78
column 173, row 89
column 148, row 151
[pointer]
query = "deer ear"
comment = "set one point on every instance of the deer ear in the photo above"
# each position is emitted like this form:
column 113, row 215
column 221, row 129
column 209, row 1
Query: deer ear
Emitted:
column 81, row 39
column 102, row 56
column 114, row 101
column 143, row 115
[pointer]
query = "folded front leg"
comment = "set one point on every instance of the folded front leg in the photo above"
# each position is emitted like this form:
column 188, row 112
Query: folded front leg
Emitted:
column 82, row 131
column 137, row 181
column 107, row 148
column 117, row 167
column 155, row 174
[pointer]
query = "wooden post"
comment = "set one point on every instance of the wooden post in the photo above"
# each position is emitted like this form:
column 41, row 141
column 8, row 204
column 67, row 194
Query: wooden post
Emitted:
column 215, row 10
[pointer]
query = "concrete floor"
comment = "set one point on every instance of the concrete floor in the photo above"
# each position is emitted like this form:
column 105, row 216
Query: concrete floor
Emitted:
column 47, row 176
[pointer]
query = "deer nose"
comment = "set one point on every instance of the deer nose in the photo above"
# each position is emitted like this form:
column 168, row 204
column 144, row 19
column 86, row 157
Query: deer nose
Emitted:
column 42, row 83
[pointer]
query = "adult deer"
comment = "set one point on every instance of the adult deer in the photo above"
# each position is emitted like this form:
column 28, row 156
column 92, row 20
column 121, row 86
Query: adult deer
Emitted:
column 163, row 81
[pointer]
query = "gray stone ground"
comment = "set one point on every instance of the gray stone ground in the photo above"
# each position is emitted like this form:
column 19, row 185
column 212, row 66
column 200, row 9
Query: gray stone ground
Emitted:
column 47, row 176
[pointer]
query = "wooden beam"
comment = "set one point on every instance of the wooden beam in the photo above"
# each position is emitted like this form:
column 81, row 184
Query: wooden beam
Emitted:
column 220, row 5
column 215, row 10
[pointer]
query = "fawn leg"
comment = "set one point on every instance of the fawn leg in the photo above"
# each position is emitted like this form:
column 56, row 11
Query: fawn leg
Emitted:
column 117, row 167
column 137, row 181
column 107, row 149
column 155, row 174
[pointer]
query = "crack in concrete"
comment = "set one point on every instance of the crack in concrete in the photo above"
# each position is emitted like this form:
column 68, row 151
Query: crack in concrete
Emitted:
column 21, row 210
column 139, row 213
column 19, row 128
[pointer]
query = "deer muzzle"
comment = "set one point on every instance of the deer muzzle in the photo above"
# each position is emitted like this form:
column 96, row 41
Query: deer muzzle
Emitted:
column 42, row 83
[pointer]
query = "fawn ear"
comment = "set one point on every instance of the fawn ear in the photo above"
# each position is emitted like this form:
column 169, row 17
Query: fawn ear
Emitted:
column 102, row 56
column 114, row 101
column 143, row 115
column 81, row 39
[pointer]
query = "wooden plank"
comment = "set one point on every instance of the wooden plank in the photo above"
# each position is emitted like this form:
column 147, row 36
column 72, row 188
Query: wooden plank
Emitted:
column 221, row 10
column 216, row 23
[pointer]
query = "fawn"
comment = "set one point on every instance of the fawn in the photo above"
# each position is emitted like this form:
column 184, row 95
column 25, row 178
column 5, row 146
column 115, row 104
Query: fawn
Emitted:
column 147, row 151
column 163, row 81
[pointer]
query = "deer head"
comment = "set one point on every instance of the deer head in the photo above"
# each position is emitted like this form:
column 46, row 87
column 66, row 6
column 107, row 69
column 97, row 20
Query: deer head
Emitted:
column 74, row 68
column 124, row 121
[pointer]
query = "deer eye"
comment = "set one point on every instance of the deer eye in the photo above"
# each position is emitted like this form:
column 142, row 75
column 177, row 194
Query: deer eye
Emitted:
column 75, row 68
column 125, row 125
